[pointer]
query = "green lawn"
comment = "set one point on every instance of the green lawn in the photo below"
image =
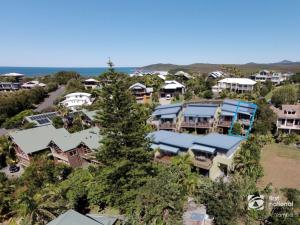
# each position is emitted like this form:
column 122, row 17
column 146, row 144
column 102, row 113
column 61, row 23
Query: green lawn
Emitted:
column 281, row 165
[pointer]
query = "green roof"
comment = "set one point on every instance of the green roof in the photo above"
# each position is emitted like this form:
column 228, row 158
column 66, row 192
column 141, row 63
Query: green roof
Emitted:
column 72, row 217
column 66, row 142
column 38, row 138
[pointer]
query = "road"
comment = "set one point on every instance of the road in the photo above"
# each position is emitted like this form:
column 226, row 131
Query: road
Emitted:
column 50, row 99
column 3, row 131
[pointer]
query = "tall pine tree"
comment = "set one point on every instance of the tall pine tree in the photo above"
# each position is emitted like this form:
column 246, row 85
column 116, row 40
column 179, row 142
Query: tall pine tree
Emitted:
column 124, row 151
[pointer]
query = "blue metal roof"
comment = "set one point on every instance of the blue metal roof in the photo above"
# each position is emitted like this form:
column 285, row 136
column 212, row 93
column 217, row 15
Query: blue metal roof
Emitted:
column 220, row 141
column 169, row 106
column 186, row 141
column 164, row 111
column 232, row 108
column 198, row 110
column 242, row 104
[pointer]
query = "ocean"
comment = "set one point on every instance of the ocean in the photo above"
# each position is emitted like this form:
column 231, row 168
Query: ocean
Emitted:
column 42, row 71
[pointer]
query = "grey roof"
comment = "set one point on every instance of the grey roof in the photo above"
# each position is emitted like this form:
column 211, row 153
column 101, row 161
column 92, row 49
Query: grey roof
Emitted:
column 185, row 141
column 38, row 138
column 200, row 110
column 72, row 217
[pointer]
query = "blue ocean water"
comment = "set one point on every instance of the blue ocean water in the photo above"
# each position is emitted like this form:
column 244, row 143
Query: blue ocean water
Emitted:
column 42, row 71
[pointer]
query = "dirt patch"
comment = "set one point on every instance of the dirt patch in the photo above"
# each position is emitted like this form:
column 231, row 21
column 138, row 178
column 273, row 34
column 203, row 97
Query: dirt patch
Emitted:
column 281, row 166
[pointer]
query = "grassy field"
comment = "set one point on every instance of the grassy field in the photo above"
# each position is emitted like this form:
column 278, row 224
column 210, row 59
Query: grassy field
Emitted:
column 281, row 166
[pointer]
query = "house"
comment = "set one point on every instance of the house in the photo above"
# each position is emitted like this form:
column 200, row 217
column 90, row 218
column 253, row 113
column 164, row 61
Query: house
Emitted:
column 16, row 76
column 141, row 92
column 91, row 84
column 165, row 117
column 236, row 84
column 199, row 117
column 234, row 111
column 9, row 86
column 71, row 217
column 73, row 149
column 264, row 75
column 172, row 88
column 211, row 154
column 183, row 74
column 216, row 74
column 74, row 100
column 32, row 84
column 288, row 118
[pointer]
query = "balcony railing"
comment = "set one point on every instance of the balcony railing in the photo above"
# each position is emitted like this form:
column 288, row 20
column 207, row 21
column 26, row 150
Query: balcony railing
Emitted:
column 196, row 124
column 202, row 162
column 224, row 123
column 163, row 159
column 167, row 126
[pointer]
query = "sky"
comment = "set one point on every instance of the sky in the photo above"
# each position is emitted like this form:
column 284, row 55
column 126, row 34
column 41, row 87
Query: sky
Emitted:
column 142, row 32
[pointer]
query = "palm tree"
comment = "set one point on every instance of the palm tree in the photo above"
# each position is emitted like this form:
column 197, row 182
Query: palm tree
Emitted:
column 42, row 207
column 6, row 152
column 63, row 111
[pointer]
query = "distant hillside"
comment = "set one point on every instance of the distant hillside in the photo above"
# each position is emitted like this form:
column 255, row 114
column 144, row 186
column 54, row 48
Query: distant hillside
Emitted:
column 283, row 66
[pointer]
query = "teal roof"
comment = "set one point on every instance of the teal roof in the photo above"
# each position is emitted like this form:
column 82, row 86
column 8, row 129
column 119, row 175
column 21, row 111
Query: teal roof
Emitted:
column 72, row 217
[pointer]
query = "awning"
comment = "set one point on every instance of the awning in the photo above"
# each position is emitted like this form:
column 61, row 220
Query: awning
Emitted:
column 168, row 148
column 154, row 146
column 168, row 116
column 202, row 148
column 227, row 113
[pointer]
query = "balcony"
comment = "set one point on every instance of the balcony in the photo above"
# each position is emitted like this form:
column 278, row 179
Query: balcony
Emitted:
column 224, row 123
column 196, row 124
column 202, row 162
column 165, row 159
column 167, row 126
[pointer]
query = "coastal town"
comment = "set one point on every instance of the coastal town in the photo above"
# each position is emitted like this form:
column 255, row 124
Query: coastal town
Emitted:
column 205, row 121
column 149, row 112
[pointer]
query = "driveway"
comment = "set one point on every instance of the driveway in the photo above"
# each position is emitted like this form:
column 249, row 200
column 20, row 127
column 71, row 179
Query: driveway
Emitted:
column 49, row 101
column 3, row 131
column 164, row 101
column 12, row 175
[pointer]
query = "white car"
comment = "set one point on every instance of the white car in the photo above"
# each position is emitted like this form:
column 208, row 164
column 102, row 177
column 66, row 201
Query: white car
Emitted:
column 168, row 97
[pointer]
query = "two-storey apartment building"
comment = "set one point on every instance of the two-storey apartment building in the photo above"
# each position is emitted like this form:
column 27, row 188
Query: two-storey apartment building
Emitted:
column 288, row 118
column 235, row 84
column 73, row 149
column 74, row 100
column 211, row 154
column 141, row 92
column 166, row 117
column 199, row 117
column 234, row 111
